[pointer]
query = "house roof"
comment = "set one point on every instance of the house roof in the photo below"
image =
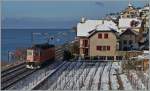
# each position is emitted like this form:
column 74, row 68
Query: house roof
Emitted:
column 102, row 28
column 126, row 22
column 129, row 31
column 146, row 8
column 84, row 28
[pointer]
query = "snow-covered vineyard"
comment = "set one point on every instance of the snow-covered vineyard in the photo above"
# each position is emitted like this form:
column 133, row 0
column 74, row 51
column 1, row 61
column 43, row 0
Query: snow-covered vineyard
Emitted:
column 95, row 76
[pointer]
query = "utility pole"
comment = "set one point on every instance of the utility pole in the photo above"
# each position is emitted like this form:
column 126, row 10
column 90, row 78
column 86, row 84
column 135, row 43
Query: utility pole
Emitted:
column 9, row 56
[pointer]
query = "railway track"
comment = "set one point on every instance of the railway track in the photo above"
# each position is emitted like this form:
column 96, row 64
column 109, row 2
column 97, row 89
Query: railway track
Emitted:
column 42, row 83
column 12, row 78
column 12, row 69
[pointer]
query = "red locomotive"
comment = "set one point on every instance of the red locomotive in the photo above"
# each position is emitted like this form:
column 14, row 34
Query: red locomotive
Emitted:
column 39, row 55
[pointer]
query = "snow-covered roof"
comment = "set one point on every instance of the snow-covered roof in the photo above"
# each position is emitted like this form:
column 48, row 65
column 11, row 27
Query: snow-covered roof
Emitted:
column 146, row 52
column 126, row 22
column 83, row 29
column 103, row 27
column 88, row 25
column 129, row 31
column 147, row 8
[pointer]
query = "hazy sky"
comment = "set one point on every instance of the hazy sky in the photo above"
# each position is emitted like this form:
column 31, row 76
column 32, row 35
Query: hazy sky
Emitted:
column 52, row 14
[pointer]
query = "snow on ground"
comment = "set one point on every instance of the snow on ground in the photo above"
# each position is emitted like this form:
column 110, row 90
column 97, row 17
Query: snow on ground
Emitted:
column 97, row 77
column 126, row 83
column 136, row 81
column 89, row 78
column 70, row 76
column 105, row 78
column 79, row 81
column 62, row 79
column 83, row 76
column 113, row 78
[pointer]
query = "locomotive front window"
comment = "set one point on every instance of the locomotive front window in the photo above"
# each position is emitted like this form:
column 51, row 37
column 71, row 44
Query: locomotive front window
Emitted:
column 30, row 52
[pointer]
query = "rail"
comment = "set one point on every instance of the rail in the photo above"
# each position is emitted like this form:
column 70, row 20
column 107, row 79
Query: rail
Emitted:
column 51, row 73
column 11, row 67
column 7, row 83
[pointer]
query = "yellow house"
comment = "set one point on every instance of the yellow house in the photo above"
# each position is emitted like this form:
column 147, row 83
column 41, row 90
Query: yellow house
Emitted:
column 130, row 12
column 84, row 31
column 103, row 43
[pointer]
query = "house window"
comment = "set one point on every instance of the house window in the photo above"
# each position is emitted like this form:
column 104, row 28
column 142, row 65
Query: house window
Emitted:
column 102, row 57
column 110, row 57
column 100, row 36
column 106, row 35
column 128, row 16
column 85, row 43
column 130, row 42
column 108, row 48
column 104, row 48
column 125, row 42
column 99, row 48
column 119, row 57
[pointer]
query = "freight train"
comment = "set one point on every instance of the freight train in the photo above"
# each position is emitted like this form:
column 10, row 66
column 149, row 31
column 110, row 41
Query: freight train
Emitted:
column 40, row 55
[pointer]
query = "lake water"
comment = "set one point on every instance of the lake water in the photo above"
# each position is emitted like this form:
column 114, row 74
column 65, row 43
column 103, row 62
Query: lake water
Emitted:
column 21, row 38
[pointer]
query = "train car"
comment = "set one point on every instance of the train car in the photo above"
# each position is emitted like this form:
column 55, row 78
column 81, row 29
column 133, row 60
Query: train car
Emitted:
column 40, row 55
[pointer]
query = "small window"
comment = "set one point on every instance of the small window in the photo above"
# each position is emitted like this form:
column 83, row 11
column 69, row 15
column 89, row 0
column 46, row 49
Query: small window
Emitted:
column 130, row 42
column 99, row 48
column 106, row 35
column 85, row 43
column 29, row 52
column 125, row 42
column 102, row 57
column 110, row 57
column 100, row 36
column 108, row 48
column 119, row 57
column 104, row 48
column 128, row 16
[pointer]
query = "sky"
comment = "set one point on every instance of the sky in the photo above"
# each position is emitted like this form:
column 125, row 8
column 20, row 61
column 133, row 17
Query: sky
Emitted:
column 57, row 14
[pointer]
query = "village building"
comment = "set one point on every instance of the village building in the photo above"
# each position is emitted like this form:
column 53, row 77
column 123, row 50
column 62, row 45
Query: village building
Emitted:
column 133, row 23
column 97, row 38
column 129, row 40
column 140, row 61
column 111, row 38
column 103, row 43
column 144, row 33
column 144, row 12
column 130, row 18
column 130, row 12
column 83, row 28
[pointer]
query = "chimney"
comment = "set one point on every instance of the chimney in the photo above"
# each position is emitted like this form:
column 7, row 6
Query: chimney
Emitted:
column 83, row 20
column 103, row 21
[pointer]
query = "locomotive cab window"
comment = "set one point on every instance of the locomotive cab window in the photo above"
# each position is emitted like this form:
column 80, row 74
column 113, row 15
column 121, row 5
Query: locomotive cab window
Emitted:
column 29, row 52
